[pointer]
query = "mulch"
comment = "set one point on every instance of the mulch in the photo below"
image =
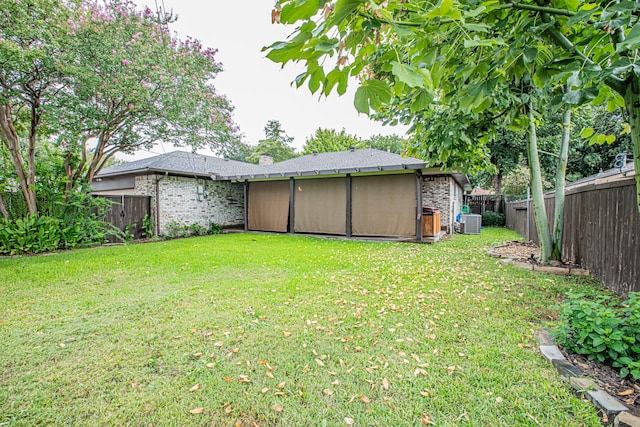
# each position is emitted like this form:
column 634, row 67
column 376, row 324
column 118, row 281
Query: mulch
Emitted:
column 608, row 379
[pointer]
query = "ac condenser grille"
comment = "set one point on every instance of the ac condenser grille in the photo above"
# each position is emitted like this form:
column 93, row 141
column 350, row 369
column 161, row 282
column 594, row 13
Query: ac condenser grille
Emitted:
column 472, row 223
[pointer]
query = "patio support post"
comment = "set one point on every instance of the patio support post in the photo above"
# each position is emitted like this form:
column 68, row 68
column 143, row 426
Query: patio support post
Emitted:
column 419, row 218
column 246, row 205
column 292, row 189
column 348, row 184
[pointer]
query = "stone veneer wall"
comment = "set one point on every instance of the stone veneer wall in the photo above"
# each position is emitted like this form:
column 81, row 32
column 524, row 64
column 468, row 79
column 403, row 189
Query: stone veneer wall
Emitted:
column 442, row 192
column 190, row 200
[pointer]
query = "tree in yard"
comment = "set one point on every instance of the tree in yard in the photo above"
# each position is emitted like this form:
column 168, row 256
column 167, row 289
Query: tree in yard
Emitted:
column 327, row 140
column 131, row 84
column 465, row 52
column 30, row 51
column 392, row 143
column 101, row 79
column 275, row 144
column 506, row 150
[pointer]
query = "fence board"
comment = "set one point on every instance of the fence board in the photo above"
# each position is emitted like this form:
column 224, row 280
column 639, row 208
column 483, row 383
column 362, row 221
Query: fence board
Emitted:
column 480, row 204
column 129, row 210
column 601, row 231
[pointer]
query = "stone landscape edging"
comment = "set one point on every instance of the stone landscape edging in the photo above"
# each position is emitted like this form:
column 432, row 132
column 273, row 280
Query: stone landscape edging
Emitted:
column 582, row 385
column 558, row 271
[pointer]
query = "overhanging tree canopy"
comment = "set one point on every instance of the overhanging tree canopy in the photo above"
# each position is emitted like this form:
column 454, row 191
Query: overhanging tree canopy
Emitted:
column 464, row 50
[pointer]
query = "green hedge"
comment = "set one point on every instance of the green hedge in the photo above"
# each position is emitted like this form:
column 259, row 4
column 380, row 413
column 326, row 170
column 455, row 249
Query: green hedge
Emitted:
column 493, row 219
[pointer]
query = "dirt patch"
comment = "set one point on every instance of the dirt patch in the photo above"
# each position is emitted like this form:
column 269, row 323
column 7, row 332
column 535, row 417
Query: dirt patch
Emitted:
column 517, row 250
column 608, row 379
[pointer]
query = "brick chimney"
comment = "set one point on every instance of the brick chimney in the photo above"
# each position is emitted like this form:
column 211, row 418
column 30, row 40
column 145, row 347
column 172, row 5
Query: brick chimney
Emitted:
column 265, row 160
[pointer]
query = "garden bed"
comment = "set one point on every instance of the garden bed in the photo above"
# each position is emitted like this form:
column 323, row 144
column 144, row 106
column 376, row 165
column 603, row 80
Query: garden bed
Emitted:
column 626, row 390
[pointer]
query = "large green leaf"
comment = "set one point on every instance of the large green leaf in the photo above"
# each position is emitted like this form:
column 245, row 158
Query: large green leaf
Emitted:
column 343, row 9
column 283, row 51
column 371, row 95
column 632, row 41
column 297, row 10
column 406, row 74
column 445, row 9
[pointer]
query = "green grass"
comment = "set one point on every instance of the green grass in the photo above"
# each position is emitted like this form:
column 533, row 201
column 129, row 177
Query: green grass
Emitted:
column 382, row 333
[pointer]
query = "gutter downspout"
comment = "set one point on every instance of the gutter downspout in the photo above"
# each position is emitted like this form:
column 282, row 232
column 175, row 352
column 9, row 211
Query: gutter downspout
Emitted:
column 158, row 202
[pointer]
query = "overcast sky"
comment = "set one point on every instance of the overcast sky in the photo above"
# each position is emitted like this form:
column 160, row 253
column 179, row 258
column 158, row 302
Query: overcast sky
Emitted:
column 259, row 89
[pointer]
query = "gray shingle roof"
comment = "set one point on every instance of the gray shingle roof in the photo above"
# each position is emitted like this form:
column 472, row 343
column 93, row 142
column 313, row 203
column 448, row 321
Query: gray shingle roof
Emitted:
column 183, row 163
column 180, row 162
column 340, row 162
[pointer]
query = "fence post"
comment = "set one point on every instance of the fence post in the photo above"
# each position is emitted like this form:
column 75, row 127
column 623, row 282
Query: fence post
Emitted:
column 528, row 203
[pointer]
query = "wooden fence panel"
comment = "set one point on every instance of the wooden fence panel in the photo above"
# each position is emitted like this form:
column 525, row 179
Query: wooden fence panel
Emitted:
column 129, row 210
column 601, row 231
column 480, row 204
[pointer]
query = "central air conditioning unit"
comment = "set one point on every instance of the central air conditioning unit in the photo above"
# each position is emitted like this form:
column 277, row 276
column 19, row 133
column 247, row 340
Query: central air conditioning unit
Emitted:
column 472, row 223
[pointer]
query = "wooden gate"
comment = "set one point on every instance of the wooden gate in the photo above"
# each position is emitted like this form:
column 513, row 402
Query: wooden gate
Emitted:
column 129, row 211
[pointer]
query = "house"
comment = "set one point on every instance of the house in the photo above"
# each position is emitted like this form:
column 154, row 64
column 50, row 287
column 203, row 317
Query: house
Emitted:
column 362, row 192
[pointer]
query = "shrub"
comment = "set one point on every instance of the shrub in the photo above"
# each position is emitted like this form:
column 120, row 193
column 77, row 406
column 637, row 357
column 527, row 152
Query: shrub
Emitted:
column 603, row 330
column 32, row 234
column 493, row 219
column 147, row 227
column 214, row 228
column 176, row 230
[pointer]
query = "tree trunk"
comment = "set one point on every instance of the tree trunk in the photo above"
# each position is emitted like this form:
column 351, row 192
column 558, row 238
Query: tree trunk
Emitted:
column 561, row 171
column 632, row 104
column 497, row 189
column 537, row 193
column 10, row 138
column 3, row 208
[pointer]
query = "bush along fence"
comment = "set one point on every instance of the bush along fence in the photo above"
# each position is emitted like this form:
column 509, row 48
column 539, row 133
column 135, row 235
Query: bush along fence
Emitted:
column 601, row 231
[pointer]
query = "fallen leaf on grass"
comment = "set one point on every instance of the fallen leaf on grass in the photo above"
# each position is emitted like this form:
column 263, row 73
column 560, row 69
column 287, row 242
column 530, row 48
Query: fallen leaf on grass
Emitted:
column 364, row 399
column 196, row 411
column 195, row 387
column 286, row 333
column 385, row 384
column 319, row 362
column 327, row 391
column 426, row 420
column 419, row 371
column 349, row 421
column 218, row 344
column 277, row 408
column 227, row 409
column 264, row 390
column 197, row 355
column 282, row 384
column 425, row 393
column 210, row 365
column 269, row 374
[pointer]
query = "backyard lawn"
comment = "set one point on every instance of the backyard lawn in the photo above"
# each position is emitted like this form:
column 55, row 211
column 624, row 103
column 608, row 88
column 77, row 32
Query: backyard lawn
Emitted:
column 258, row 329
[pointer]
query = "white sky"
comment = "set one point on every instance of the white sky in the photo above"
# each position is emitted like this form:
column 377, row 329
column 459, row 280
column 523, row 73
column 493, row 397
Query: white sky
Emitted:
column 260, row 89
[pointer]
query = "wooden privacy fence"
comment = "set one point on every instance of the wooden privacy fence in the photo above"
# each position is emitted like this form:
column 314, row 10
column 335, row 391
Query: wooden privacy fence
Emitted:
column 601, row 231
column 480, row 204
column 129, row 210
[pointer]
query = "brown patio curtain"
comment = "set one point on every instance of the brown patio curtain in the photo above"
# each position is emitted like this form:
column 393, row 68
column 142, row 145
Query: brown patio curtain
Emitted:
column 269, row 206
column 384, row 205
column 320, row 206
